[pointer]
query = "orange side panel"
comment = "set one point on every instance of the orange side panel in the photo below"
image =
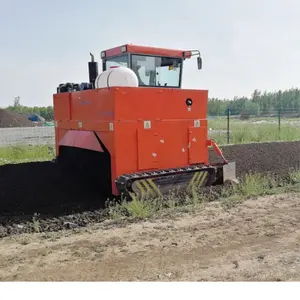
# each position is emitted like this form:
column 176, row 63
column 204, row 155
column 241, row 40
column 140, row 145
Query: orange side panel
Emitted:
column 59, row 133
column 159, row 104
column 173, row 143
column 160, row 148
column 62, row 106
column 197, row 145
column 163, row 146
column 93, row 105
column 107, row 139
column 125, row 147
column 148, row 148
column 81, row 139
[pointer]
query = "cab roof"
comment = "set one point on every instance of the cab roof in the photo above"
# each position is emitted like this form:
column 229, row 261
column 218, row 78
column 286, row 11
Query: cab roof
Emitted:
column 144, row 50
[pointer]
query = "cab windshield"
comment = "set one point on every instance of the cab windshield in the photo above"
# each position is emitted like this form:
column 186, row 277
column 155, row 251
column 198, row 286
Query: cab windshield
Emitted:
column 155, row 71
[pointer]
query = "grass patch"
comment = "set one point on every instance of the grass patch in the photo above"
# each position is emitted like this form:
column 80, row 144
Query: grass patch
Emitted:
column 294, row 177
column 18, row 154
column 252, row 186
column 255, row 185
column 263, row 133
column 242, row 132
column 141, row 208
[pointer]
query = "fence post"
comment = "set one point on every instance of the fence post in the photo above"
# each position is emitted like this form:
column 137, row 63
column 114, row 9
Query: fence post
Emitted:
column 279, row 118
column 228, row 123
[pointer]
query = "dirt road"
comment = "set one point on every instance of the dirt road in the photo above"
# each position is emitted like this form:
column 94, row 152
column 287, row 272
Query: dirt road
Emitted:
column 256, row 240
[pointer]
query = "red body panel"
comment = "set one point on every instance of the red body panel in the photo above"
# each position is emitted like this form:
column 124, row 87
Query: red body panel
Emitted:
column 81, row 139
column 142, row 128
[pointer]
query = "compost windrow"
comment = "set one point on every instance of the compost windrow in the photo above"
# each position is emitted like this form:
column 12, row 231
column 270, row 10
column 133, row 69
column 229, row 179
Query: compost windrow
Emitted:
column 10, row 119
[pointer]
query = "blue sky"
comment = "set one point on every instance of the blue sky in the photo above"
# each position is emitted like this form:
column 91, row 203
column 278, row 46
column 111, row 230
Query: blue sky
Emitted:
column 244, row 44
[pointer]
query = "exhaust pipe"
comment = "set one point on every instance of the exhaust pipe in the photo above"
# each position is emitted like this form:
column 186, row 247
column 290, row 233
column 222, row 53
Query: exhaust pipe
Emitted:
column 93, row 70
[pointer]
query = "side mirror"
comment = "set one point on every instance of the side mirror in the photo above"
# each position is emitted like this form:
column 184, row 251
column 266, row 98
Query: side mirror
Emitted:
column 199, row 62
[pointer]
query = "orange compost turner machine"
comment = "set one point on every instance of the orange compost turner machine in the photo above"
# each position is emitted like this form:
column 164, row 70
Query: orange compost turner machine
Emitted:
column 133, row 129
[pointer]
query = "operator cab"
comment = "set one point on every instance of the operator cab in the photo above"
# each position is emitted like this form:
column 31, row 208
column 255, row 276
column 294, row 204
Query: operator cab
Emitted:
column 154, row 67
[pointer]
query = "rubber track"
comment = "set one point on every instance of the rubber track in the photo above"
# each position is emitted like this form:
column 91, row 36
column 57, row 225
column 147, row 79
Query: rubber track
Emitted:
column 125, row 182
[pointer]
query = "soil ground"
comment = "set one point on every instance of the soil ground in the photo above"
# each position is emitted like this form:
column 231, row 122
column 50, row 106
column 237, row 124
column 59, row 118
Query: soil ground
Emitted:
column 39, row 187
column 258, row 240
column 32, row 186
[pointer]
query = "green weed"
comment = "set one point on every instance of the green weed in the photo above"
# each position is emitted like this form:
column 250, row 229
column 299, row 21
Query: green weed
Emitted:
column 35, row 223
column 252, row 186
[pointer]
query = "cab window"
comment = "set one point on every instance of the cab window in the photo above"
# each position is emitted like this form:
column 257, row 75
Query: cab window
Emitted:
column 157, row 71
column 117, row 61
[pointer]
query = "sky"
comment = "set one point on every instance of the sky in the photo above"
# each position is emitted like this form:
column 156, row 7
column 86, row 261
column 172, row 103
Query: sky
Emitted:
column 245, row 45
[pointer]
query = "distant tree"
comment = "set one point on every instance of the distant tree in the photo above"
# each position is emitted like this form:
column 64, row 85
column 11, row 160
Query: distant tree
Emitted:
column 17, row 101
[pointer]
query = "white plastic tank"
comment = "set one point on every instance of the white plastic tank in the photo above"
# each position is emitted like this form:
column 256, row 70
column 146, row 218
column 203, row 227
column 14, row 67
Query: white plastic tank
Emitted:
column 116, row 76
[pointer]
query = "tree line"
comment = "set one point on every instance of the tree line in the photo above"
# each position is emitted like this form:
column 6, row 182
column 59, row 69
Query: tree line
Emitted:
column 260, row 103
column 45, row 112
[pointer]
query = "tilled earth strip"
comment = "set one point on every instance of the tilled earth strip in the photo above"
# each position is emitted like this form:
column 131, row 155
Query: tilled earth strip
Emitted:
column 277, row 157
column 40, row 188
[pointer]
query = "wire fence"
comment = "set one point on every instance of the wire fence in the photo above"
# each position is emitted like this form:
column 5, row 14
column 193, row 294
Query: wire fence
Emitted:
column 268, row 125
column 21, row 136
